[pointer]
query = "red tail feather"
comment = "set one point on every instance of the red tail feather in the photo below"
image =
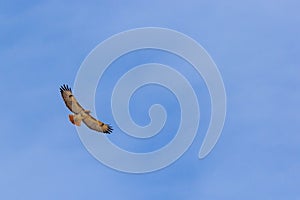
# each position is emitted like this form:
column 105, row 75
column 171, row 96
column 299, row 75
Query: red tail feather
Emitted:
column 71, row 118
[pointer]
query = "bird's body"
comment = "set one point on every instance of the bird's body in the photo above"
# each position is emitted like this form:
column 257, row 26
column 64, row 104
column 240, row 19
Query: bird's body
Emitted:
column 77, row 118
column 80, row 114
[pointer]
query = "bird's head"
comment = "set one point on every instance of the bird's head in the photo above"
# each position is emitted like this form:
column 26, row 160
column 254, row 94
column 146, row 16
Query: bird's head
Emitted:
column 87, row 112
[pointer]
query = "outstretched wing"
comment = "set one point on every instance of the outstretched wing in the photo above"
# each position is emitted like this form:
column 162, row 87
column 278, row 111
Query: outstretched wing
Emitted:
column 96, row 125
column 69, row 99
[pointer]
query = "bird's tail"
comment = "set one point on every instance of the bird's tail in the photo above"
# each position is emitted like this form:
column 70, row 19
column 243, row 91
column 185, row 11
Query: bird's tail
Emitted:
column 75, row 120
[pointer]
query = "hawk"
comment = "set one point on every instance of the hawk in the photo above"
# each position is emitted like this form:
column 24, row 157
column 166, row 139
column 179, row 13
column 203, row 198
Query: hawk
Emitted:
column 80, row 114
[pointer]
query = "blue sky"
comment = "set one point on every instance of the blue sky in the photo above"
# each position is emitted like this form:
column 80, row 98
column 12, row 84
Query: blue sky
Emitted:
column 255, row 45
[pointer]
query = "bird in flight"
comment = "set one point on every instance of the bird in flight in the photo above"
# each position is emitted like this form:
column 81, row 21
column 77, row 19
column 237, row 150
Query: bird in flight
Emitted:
column 80, row 114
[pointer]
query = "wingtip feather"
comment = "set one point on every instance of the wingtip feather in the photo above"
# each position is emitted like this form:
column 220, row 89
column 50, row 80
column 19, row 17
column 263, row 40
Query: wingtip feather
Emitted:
column 64, row 87
column 108, row 130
